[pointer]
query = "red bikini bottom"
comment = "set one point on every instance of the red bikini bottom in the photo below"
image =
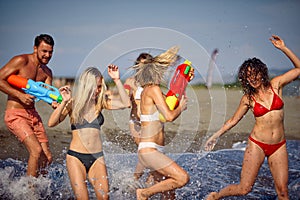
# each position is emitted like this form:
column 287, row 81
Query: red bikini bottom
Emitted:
column 269, row 149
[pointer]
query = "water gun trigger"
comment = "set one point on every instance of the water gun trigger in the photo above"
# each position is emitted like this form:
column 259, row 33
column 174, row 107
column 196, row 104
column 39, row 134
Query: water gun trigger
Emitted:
column 45, row 85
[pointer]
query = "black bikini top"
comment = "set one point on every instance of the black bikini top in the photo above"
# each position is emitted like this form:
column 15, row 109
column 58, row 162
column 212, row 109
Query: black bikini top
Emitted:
column 96, row 123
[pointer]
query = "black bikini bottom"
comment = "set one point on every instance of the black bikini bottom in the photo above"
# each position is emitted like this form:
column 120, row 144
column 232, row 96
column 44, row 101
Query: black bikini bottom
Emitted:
column 86, row 158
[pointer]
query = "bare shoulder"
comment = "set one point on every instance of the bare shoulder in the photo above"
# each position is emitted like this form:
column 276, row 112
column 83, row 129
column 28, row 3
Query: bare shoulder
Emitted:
column 47, row 70
column 14, row 65
column 245, row 100
column 152, row 91
column 19, row 60
column 280, row 81
column 275, row 82
column 152, row 88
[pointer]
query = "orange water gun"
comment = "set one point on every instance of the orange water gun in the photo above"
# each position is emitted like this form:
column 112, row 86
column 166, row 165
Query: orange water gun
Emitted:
column 180, row 79
column 39, row 90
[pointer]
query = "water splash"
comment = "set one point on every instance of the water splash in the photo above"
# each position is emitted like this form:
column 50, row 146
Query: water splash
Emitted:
column 208, row 171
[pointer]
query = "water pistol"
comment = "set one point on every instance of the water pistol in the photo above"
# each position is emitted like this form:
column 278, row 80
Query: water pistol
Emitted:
column 178, row 84
column 40, row 90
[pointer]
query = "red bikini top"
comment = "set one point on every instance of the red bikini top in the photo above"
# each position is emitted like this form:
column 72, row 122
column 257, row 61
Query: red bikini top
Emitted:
column 260, row 110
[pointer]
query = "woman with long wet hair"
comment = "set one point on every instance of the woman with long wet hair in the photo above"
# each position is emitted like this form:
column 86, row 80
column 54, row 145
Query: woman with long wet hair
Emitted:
column 267, row 138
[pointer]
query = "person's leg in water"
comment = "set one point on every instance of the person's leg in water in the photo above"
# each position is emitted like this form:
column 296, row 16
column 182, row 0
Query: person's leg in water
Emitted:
column 45, row 158
column 154, row 178
column 135, row 131
column 40, row 133
column 99, row 179
column 139, row 171
column 26, row 125
column 77, row 175
column 253, row 159
column 278, row 163
column 174, row 175
column 34, row 149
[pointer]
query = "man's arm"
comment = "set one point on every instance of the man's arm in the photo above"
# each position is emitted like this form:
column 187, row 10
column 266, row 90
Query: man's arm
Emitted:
column 13, row 67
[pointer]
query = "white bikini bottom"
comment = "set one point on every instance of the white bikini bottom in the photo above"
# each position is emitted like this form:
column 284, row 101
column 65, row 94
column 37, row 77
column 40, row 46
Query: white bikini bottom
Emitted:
column 143, row 145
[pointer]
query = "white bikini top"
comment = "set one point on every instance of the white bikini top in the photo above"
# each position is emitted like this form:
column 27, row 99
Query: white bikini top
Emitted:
column 146, row 118
column 138, row 93
column 150, row 118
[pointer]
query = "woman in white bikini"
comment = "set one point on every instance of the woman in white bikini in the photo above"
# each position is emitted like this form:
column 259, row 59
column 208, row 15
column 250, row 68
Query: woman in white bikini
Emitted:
column 150, row 150
column 134, row 91
column 267, row 139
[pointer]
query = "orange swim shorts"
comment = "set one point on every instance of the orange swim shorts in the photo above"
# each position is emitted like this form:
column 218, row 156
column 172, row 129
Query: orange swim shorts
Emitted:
column 25, row 122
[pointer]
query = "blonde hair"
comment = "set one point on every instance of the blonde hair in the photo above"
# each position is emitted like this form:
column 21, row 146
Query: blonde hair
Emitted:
column 151, row 70
column 85, row 89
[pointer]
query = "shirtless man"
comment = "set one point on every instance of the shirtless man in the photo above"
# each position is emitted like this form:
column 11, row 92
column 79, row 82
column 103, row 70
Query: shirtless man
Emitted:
column 21, row 118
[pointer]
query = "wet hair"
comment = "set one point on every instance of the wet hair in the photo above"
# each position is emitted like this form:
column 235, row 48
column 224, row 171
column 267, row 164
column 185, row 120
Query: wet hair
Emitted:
column 85, row 88
column 43, row 37
column 257, row 67
column 150, row 70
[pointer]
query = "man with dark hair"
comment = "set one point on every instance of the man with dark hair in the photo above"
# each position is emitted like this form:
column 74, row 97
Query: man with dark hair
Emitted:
column 21, row 117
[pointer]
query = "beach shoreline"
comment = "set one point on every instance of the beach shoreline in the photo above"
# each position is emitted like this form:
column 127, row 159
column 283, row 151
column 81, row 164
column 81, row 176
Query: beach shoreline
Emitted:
column 207, row 111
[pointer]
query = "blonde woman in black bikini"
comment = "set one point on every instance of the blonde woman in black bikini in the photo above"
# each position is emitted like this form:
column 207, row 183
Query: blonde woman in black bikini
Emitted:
column 150, row 150
column 85, row 156
column 267, row 138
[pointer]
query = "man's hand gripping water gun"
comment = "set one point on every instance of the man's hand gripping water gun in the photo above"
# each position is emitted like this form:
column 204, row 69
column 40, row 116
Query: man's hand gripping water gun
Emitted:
column 183, row 74
column 40, row 90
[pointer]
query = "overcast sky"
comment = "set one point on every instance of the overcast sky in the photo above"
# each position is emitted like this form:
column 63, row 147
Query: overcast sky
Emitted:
column 239, row 29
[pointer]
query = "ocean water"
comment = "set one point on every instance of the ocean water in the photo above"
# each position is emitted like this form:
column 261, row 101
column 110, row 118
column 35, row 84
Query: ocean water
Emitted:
column 208, row 171
column 292, row 89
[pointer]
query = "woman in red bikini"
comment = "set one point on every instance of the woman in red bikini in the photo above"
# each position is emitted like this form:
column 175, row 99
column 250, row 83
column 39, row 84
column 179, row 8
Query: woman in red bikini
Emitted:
column 267, row 138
